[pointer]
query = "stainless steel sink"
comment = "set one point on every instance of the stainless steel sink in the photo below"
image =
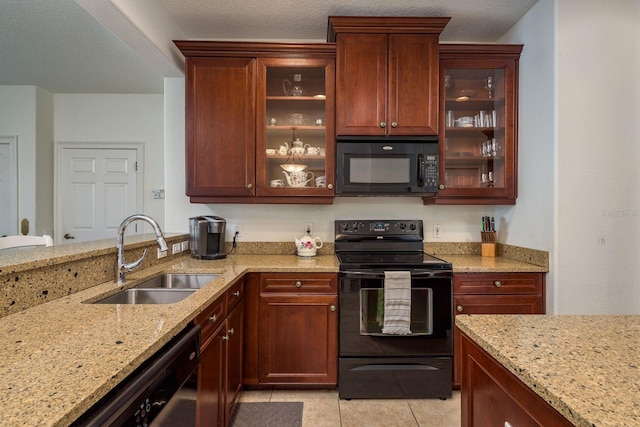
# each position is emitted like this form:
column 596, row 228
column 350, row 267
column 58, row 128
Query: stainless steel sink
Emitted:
column 147, row 296
column 177, row 281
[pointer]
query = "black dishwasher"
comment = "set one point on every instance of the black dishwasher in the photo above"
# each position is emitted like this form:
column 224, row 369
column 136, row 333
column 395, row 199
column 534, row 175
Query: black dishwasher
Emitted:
column 140, row 398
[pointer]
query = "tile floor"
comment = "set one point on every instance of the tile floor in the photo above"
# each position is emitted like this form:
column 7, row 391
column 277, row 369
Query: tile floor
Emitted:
column 325, row 409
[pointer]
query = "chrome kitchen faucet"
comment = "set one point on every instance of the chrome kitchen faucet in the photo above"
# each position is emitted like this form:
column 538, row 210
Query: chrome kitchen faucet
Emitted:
column 123, row 267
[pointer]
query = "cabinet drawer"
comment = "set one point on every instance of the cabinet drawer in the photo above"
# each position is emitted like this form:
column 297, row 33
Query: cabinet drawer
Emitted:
column 234, row 295
column 211, row 318
column 497, row 304
column 506, row 283
column 299, row 283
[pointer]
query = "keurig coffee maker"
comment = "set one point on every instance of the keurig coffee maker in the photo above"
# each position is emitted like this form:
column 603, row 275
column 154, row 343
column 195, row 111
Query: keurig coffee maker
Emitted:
column 207, row 237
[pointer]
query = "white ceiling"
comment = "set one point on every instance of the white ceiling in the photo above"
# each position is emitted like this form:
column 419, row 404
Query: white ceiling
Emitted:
column 60, row 46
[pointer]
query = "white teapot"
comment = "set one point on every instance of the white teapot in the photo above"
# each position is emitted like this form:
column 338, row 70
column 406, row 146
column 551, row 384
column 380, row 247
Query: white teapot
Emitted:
column 307, row 245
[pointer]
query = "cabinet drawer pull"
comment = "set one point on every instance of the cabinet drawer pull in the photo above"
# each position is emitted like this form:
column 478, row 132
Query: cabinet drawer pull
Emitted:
column 441, row 187
column 332, row 307
column 298, row 284
column 330, row 186
column 383, row 124
column 225, row 338
column 249, row 186
column 213, row 318
column 497, row 283
column 231, row 331
column 236, row 294
column 394, row 124
column 459, row 308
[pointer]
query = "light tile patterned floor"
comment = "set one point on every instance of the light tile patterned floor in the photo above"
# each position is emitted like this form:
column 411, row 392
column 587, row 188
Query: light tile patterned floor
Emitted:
column 325, row 409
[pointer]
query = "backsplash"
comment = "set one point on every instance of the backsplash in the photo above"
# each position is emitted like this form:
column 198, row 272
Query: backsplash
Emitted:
column 72, row 268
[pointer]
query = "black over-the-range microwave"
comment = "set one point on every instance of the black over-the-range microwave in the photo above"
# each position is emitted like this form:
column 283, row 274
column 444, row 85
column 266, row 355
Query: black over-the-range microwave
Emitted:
column 369, row 166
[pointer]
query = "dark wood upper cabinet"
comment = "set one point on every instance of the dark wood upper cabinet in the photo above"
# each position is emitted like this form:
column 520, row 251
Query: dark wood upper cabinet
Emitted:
column 220, row 114
column 386, row 75
column 238, row 115
column 478, row 124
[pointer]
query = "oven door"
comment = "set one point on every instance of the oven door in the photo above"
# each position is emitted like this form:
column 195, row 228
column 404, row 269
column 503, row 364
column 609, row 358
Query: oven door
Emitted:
column 361, row 307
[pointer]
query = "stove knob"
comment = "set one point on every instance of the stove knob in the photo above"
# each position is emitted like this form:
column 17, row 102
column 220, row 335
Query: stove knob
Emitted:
column 355, row 226
column 344, row 226
column 412, row 226
column 402, row 226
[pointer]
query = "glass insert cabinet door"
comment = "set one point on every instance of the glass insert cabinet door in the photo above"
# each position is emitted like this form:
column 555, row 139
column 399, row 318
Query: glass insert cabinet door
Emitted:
column 295, row 127
column 478, row 144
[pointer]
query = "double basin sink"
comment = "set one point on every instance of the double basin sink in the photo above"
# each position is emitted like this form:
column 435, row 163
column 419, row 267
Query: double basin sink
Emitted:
column 165, row 289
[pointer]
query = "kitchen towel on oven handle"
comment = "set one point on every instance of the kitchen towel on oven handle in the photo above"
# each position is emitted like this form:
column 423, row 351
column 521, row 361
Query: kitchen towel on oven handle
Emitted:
column 397, row 303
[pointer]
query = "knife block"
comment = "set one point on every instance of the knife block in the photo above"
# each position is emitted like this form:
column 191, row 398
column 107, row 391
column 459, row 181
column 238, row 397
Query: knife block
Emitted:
column 489, row 249
column 489, row 243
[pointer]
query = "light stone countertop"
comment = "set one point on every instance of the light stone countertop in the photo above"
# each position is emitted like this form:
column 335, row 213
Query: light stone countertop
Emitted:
column 586, row 367
column 59, row 358
column 479, row 264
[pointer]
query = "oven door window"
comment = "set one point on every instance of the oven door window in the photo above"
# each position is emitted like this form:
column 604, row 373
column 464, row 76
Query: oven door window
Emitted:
column 372, row 307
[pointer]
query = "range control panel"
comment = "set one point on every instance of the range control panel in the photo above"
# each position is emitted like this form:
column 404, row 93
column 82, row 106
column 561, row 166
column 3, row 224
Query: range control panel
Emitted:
column 379, row 227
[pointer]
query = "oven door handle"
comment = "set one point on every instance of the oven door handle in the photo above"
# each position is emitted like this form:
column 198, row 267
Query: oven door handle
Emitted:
column 380, row 274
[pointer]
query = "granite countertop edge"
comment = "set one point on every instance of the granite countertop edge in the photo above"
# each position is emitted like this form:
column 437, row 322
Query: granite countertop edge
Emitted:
column 591, row 379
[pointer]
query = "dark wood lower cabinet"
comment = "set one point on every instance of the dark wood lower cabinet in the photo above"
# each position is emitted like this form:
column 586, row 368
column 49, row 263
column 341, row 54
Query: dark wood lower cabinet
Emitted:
column 493, row 396
column 291, row 331
column 220, row 369
column 210, row 398
column 494, row 293
column 297, row 339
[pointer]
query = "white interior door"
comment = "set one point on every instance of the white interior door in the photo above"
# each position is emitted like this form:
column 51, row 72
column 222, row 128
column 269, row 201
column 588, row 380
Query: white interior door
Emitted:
column 8, row 186
column 97, row 188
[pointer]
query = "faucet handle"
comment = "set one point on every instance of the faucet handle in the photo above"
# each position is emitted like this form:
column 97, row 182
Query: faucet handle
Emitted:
column 135, row 264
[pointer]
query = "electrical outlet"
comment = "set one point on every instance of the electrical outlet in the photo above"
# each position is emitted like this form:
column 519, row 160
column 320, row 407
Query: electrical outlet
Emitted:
column 236, row 228
column 185, row 245
column 436, row 230
column 176, row 248
column 161, row 254
column 308, row 227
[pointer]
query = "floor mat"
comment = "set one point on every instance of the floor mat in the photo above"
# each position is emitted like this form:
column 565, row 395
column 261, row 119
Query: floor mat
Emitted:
column 267, row 414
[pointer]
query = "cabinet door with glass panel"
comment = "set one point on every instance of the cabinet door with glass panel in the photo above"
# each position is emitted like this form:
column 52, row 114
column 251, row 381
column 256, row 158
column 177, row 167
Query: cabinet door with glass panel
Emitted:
column 478, row 148
column 295, row 127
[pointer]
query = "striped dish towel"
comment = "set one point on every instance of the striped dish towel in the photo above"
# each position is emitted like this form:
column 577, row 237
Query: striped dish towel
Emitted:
column 397, row 303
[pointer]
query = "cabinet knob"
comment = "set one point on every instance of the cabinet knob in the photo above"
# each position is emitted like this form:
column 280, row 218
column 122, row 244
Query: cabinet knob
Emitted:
column 394, row 124
column 330, row 186
column 497, row 283
column 298, row 284
column 225, row 338
column 213, row 318
column 249, row 186
column 332, row 307
column 231, row 331
column 383, row 124
column 441, row 186
column 236, row 294
column 459, row 308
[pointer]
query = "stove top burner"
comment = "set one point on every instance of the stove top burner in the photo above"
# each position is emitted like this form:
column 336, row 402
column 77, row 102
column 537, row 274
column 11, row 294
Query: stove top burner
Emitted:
column 409, row 260
column 383, row 244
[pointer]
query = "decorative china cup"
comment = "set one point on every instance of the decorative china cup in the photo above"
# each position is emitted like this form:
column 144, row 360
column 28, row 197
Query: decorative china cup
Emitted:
column 298, row 179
